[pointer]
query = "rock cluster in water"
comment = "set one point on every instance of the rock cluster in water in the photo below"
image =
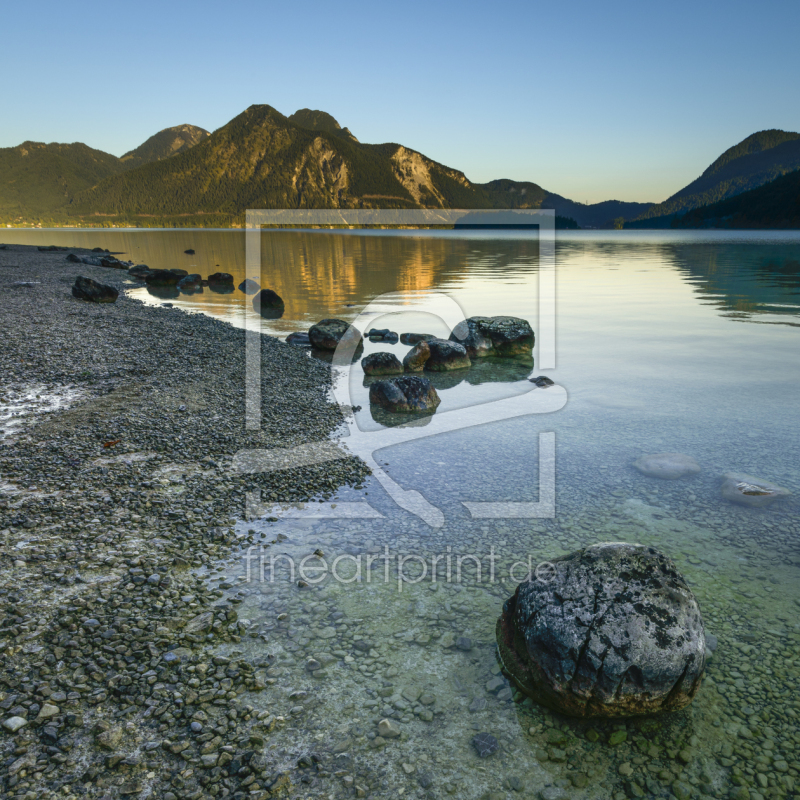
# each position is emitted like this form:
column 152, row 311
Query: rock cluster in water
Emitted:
column 611, row 630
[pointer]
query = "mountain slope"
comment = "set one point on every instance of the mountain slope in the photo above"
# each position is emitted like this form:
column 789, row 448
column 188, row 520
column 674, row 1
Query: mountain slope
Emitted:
column 753, row 162
column 38, row 178
column 774, row 205
column 164, row 144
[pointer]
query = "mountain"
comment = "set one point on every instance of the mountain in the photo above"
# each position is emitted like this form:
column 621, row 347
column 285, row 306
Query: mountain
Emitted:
column 756, row 160
column 319, row 121
column 774, row 205
column 263, row 159
column 164, row 144
column 41, row 178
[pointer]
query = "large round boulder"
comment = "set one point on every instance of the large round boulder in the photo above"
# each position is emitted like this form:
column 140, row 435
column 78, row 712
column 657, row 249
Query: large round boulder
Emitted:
column 668, row 466
column 381, row 364
column 504, row 337
column 747, row 490
column 446, row 355
column 407, row 394
column 327, row 333
column 94, row 292
column 611, row 630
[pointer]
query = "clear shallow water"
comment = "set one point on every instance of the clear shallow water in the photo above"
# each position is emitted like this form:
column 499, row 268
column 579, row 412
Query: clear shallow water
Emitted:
column 684, row 342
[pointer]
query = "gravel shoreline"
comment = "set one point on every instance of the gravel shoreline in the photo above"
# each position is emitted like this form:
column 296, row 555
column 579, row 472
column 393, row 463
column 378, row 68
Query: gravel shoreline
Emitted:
column 109, row 508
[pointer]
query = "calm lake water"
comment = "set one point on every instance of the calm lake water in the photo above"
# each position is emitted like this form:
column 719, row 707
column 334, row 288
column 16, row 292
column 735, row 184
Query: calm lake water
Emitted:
column 682, row 342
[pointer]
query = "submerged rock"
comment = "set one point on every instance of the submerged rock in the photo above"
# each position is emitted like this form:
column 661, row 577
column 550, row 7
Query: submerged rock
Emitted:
column 94, row 292
column 669, row 466
column 409, row 393
column 747, row 490
column 416, row 358
column 611, row 630
column 446, row 355
column 505, row 337
column 327, row 333
column 381, row 364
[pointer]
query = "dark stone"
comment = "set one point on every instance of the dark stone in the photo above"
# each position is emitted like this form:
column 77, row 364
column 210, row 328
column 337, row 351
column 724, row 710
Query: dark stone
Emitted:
column 327, row 333
column 73, row 258
column 248, row 286
column 485, row 744
column 446, row 355
column 162, row 277
column 190, row 283
column 267, row 302
column 611, row 630
column 189, row 252
column 409, row 394
column 220, row 279
column 139, row 271
column 505, row 337
column 381, row 364
column 299, row 339
column 94, row 292
column 416, row 338
column 542, row 382
column 416, row 357
column 375, row 333
column 181, row 273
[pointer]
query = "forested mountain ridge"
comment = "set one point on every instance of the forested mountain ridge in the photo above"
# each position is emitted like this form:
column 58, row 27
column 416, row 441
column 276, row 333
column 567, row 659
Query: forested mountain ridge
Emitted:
column 756, row 160
column 164, row 144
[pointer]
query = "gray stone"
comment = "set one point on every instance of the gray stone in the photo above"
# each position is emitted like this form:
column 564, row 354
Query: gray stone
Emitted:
column 94, row 292
column 503, row 337
column 485, row 744
column 388, row 729
column 407, row 394
column 612, row 631
column 446, row 356
column 13, row 724
column 381, row 364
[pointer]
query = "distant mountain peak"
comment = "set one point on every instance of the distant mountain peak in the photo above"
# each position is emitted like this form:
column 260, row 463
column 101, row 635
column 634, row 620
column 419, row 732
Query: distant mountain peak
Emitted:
column 164, row 144
column 313, row 120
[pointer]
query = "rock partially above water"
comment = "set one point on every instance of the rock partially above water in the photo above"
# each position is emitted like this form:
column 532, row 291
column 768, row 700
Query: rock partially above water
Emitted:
column 381, row 364
column 416, row 338
column 505, row 337
column 220, row 279
column 299, row 339
column 612, row 630
column 327, row 333
column 269, row 304
column 747, row 490
column 416, row 358
column 446, row 355
column 669, row 466
column 409, row 393
column 162, row 277
column 94, row 292
column 190, row 283
column 248, row 286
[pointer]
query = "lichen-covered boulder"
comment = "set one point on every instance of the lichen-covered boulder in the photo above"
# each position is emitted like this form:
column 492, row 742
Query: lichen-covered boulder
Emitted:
column 446, row 355
column 611, row 630
column 327, row 333
column 747, row 490
column 504, row 337
column 407, row 394
column 94, row 292
column 381, row 364
column 417, row 357
column 668, row 466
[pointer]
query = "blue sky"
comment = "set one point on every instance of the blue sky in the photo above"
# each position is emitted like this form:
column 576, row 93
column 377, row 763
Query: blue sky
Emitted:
column 591, row 100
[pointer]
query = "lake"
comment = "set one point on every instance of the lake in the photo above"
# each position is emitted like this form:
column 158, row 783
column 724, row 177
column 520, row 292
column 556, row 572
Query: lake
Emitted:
column 684, row 342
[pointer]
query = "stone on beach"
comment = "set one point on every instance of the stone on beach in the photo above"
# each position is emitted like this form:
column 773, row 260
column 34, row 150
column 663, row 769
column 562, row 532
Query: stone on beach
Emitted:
column 504, row 337
column 327, row 333
column 611, row 630
column 381, row 364
column 747, row 490
column 299, row 339
column 94, row 292
column 668, row 466
column 409, row 393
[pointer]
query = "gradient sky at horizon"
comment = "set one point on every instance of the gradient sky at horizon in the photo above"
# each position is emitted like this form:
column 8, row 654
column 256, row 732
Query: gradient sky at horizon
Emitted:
column 594, row 101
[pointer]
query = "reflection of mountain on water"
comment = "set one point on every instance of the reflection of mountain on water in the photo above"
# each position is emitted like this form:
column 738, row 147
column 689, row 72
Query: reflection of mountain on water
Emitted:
column 742, row 279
